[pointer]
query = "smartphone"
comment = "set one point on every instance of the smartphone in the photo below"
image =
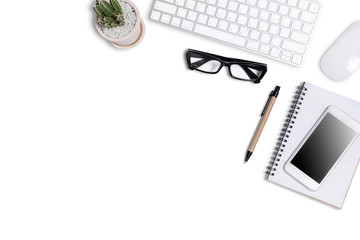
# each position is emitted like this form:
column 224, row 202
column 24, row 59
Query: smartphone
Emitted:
column 322, row 148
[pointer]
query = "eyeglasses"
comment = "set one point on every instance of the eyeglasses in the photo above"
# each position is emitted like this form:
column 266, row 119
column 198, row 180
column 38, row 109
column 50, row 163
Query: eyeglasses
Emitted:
column 238, row 68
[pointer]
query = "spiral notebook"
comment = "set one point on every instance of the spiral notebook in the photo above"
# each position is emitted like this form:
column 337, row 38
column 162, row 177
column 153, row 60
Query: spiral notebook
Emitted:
column 308, row 105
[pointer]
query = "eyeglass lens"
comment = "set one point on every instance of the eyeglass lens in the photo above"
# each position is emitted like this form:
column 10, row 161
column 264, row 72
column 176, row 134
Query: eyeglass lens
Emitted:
column 204, row 64
column 245, row 72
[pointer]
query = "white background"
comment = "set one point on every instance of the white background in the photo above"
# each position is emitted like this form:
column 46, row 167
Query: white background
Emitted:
column 99, row 143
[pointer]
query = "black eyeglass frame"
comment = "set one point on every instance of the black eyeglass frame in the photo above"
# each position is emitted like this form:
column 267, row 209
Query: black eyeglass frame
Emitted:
column 227, row 62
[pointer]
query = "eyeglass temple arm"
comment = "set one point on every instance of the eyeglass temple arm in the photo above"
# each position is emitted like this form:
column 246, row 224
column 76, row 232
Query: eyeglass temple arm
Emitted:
column 248, row 72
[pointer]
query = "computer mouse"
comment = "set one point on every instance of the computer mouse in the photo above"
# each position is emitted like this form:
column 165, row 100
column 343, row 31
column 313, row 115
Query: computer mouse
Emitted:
column 342, row 59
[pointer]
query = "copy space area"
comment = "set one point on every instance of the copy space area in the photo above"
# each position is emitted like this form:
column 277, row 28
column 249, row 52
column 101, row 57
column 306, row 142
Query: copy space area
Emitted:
column 98, row 143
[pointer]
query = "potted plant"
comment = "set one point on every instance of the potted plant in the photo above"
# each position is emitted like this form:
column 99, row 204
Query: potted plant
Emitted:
column 119, row 22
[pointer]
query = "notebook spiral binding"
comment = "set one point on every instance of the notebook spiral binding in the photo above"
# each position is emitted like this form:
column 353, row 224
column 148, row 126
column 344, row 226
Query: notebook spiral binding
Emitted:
column 286, row 130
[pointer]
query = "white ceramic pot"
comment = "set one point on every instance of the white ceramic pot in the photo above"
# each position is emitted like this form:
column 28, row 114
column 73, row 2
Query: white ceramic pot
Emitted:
column 130, row 40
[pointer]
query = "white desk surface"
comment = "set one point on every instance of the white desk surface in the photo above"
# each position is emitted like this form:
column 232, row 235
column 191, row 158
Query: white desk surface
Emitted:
column 98, row 143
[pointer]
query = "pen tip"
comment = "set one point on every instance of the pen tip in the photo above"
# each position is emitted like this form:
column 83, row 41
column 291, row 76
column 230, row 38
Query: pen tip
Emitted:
column 248, row 155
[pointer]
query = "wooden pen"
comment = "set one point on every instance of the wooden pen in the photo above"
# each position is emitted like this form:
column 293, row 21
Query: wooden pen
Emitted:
column 264, row 117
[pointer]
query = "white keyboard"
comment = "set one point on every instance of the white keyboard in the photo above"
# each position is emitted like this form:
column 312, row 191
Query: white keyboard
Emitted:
column 279, row 29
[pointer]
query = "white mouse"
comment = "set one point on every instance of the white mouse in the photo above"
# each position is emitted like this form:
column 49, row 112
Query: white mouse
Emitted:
column 342, row 59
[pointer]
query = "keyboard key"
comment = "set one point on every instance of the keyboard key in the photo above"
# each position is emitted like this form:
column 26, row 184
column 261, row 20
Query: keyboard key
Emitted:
column 263, row 26
column 276, row 41
column 180, row 2
column 252, row 45
column 202, row 18
column 190, row 4
column 165, row 18
column 223, row 25
column 242, row 20
column 253, row 12
column 274, row 29
column 296, row 25
column 286, row 53
column 285, row 21
column 294, row 47
column 285, row 33
column 200, row 7
column 244, row 31
column 262, row 4
column 243, row 9
column 234, row 28
column 314, row 7
column 211, row 2
column 231, row 17
column 264, row 49
column 233, row 6
column 307, row 28
column 292, row 3
column 253, row 23
column 254, row 35
column 251, row 2
column 275, row 52
column 300, row 37
column 187, row 25
column 294, row 13
column 213, row 22
column 308, row 17
column 182, row 12
column 265, row 38
column 165, row 7
column 155, row 15
column 176, row 21
column 297, row 59
column 264, row 15
column 211, row 10
column 275, row 18
column 303, row 4
column 192, row 16
column 222, row 3
column 217, row 34
column 221, row 13
column 285, row 58
column 283, row 10
column 273, row 7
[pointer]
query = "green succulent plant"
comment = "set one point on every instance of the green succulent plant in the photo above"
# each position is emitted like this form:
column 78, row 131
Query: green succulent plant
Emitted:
column 109, row 14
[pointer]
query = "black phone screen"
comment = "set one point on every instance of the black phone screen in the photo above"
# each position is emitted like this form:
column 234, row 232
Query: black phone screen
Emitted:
column 323, row 148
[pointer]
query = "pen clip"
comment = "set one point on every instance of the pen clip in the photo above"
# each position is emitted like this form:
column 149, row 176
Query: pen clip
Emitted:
column 267, row 104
